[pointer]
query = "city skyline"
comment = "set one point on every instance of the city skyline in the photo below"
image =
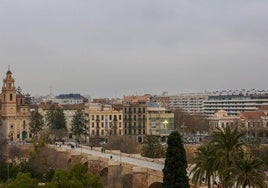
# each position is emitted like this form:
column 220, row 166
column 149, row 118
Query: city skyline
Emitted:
column 111, row 49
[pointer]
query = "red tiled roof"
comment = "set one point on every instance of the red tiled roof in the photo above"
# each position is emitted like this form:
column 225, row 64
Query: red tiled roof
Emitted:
column 263, row 108
column 251, row 115
column 73, row 106
column 62, row 106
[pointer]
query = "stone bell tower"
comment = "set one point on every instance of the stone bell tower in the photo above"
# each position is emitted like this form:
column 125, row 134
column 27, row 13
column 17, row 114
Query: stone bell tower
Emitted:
column 9, row 107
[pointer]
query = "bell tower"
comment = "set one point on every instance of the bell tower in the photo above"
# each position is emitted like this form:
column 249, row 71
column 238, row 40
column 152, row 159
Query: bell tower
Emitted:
column 9, row 107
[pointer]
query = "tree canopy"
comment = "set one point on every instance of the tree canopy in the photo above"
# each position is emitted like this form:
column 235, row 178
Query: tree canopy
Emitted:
column 55, row 118
column 152, row 147
column 56, row 121
column 79, row 124
column 75, row 177
column 36, row 123
column 175, row 174
column 21, row 181
column 228, row 157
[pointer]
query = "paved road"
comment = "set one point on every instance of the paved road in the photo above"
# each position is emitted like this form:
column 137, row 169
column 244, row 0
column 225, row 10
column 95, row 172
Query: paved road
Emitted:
column 119, row 158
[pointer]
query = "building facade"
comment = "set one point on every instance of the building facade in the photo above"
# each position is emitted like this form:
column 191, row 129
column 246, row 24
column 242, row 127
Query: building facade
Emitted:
column 14, row 114
column 254, row 124
column 103, row 121
column 160, row 122
column 234, row 104
column 191, row 103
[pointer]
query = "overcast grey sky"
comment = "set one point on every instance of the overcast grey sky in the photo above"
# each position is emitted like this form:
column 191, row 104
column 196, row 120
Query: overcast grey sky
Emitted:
column 111, row 48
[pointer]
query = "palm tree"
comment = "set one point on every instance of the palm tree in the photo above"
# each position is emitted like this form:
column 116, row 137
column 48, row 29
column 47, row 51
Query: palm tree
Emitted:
column 204, row 162
column 227, row 156
column 247, row 171
column 226, row 145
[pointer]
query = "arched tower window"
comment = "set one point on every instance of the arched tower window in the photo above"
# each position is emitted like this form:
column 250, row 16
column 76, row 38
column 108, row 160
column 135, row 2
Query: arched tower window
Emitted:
column 11, row 97
column 24, row 124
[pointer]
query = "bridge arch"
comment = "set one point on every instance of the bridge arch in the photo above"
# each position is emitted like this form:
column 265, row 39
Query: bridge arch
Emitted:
column 128, row 180
column 69, row 161
column 156, row 185
column 104, row 172
column 86, row 163
column 104, row 175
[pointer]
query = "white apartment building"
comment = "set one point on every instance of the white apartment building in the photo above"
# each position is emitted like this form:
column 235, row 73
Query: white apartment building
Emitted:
column 191, row 103
column 234, row 104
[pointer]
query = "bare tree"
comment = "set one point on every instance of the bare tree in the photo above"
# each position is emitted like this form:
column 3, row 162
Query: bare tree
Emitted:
column 126, row 144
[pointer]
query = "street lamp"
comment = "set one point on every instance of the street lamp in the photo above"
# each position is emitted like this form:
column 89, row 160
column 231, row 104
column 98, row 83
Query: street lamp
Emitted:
column 183, row 126
column 120, row 157
column 165, row 127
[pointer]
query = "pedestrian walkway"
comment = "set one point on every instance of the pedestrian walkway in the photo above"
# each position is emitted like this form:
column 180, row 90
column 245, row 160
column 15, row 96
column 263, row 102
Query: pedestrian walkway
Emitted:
column 117, row 156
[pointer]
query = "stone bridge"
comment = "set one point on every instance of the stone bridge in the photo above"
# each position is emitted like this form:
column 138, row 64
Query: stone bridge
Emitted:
column 115, row 174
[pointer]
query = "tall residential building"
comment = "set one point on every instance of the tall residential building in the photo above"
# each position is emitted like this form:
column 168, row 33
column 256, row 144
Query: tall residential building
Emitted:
column 143, row 116
column 14, row 114
column 134, row 115
column 103, row 121
column 191, row 103
column 233, row 104
column 160, row 122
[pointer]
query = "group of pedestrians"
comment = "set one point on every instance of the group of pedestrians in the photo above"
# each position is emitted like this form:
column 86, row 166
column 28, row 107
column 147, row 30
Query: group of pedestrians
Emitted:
column 103, row 151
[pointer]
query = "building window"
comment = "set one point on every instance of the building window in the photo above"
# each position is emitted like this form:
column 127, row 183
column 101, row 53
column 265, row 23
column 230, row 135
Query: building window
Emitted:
column 92, row 125
column 102, row 117
column 119, row 117
column 10, row 97
column 102, row 124
column 93, row 132
column 92, row 117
